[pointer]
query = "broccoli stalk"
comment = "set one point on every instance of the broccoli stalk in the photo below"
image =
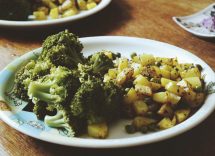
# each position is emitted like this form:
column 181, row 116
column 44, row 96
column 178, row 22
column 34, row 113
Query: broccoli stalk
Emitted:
column 60, row 120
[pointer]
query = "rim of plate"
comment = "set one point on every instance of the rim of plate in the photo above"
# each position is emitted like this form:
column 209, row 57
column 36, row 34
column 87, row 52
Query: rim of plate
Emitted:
column 190, row 16
column 204, row 111
column 99, row 7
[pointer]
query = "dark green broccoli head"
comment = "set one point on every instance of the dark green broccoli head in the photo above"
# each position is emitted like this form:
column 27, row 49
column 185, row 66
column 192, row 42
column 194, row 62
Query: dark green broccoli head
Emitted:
column 16, row 10
column 87, row 98
column 112, row 102
column 100, row 63
column 62, row 49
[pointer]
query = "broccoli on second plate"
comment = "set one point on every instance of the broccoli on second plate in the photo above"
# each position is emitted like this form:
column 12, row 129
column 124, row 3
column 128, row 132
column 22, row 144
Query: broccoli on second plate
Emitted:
column 16, row 10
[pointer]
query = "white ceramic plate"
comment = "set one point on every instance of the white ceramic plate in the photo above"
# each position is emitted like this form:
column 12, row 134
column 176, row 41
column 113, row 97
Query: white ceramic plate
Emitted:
column 82, row 14
column 193, row 23
column 27, row 123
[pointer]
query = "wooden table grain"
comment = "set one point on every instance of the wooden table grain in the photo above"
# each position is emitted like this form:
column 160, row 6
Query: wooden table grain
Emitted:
column 140, row 18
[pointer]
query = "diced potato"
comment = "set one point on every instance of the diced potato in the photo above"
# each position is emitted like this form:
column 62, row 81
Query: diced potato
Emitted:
column 166, row 97
column 165, row 73
column 70, row 12
column 138, row 68
column 49, row 4
column 112, row 73
column 54, row 14
column 183, row 83
column 166, row 67
column 165, row 123
column 143, row 90
column 141, row 80
column 124, row 75
column 194, row 99
column 136, row 59
column 174, row 120
column 193, row 72
column 182, row 114
column 82, row 4
column 194, row 81
column 123, row 63
column 139, row 122
column 44, row 9
column 140, row 107
column 155, row 86
column 109, row 54
column 165, row 110
column 174, row 74
column 99, row 130
column 167, row 61
column 173, row 98
column 147, row 59
column 131, row 96
column 91, row 5
column 160, row 97
column 68, row 4
column 39, row 15
column 61, row 1
column 165, row 81
column 173, row 88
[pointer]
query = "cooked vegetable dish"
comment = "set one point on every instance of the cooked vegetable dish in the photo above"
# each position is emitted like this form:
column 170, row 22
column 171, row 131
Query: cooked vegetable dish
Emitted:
column 86, row 94
column 19, row 10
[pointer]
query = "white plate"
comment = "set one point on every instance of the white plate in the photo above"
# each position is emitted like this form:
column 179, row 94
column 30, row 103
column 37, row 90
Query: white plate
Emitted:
column 27, row 123
column 82, row 14
column 193, row 23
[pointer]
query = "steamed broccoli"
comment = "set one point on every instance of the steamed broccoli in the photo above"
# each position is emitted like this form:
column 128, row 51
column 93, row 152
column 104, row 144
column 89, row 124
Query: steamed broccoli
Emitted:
column 100, row 63
column 96, row 101
column 62, row 49
column 31, row 71
column 63, row 119
column 56, row 87
column 16, row 10
column 87, row 97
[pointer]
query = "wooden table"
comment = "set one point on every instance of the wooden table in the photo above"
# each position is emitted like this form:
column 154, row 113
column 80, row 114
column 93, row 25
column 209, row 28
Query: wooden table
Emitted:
column 141, row 18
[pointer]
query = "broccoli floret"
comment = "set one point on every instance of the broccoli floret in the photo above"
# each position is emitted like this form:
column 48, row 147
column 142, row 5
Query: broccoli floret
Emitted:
column 112, row 102
column 96, row 101
column 31, row 71
column 62, row 49
column 16, row 10
column 60, row 120
column 100, row 63
column 64, row 120
column 40, row 110
column 87, row 98
column 55, row 88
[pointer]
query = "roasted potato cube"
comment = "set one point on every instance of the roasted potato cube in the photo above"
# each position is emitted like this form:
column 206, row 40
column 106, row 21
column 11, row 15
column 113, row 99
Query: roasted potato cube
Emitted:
column 54, row 13
column 173, row 88
column 194, row 81
column 131, row 96
column 123, row 63
column 140, row 121
column 193, row 72
column 155, row 86
column 141, row 80
column 143, row 90
column 165, row 123
column 166, row 97
column 147, row 59
column 165, row 110
column 124, row 75
column 165, row 81
column 98, row 130
column 182, row 114
column 140, row 107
